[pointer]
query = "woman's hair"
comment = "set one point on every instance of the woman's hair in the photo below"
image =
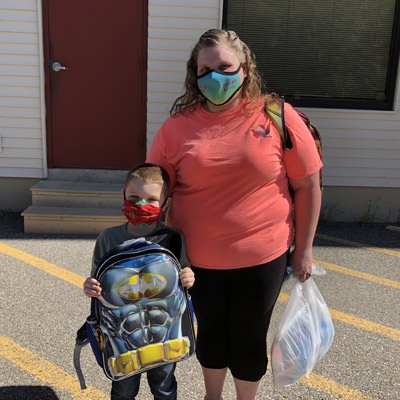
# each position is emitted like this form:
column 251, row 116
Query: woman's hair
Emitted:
column 149, row 173
column 252, row 84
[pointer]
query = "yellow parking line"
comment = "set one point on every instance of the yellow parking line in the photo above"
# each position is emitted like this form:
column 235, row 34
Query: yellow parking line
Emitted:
column 78, row 281
column 356, row 321
column 358, row 244
column 358, row 274
column 328, row 386
column 45, row 371
column 365, row 324
column 43, row 265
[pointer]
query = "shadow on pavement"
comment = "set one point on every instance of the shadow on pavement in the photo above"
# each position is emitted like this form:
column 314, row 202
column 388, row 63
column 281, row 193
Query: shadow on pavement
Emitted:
column 12, row 227
column 27, row 392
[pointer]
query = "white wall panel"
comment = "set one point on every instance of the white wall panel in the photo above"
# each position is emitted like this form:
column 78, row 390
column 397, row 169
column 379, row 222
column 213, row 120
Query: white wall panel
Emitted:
column 22, row 151
column 174, row 28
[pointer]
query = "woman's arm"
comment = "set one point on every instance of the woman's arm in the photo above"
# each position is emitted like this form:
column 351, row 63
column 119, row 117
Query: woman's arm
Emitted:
column 307, row 206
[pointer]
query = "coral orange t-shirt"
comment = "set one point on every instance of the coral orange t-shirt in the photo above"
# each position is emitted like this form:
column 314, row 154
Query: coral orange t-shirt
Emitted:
column 230, row 194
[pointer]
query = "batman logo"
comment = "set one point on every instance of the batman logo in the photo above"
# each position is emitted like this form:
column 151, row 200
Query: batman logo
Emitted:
column 142, row 286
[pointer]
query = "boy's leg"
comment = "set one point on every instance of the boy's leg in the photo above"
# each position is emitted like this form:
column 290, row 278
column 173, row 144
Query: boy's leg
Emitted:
column 162, row 382
column 127, row 389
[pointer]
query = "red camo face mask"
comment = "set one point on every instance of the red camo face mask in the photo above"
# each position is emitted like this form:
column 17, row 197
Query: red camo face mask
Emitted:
column 138, row 213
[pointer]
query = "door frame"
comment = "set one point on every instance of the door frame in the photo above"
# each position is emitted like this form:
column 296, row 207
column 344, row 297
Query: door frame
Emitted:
column 48, row 145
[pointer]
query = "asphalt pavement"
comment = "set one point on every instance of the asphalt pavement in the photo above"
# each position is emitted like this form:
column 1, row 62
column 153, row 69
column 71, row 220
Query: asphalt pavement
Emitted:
column 42, row 306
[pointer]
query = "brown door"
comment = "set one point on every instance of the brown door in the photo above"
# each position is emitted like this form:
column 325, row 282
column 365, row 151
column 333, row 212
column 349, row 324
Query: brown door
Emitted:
column 96, row 106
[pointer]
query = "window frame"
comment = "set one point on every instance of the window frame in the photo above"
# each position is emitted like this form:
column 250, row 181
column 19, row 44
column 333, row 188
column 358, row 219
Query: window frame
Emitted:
column 392, row 80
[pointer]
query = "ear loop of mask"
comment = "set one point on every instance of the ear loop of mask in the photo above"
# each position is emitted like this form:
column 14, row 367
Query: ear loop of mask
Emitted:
column 164, row 211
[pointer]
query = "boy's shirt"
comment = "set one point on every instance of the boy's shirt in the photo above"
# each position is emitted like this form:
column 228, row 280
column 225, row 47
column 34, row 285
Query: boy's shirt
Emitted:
column 167, row 237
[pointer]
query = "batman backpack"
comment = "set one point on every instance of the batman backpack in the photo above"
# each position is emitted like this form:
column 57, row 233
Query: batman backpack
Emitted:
column 143, row 318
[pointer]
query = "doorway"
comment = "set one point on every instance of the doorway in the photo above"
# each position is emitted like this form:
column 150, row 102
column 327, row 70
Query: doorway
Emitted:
column 96, row 80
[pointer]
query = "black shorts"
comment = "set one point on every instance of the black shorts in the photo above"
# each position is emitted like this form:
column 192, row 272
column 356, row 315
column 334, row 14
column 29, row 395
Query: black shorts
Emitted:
column 233, row 309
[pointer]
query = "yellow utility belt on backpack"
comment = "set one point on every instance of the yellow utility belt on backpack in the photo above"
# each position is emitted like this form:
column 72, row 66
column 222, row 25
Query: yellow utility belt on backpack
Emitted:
column 134, row 360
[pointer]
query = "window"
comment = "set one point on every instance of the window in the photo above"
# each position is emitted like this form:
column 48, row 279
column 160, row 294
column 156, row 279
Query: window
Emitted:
column 323, row 53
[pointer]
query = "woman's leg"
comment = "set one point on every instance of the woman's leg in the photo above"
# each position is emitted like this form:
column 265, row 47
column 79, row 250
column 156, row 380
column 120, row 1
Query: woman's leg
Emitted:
column 233, row 309
column 214, row 382
column 250, row 315
column 245, row 390
column 209, row 302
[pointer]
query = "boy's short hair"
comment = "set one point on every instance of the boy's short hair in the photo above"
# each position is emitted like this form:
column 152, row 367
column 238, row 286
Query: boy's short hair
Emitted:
column 150, row 173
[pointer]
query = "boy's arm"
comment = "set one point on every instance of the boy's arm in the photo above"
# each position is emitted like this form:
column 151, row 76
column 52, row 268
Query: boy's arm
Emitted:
column 97, row 254
column 91, row 287
column 179, row 250
column 184, row 260
column 186, row 275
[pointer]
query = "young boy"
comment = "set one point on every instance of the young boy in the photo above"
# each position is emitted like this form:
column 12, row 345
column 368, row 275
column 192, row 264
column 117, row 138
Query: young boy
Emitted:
column 146, row 198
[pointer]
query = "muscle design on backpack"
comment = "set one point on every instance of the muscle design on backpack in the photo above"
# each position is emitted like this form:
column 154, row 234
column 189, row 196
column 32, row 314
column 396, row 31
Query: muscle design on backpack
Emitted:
column 142, row 318
column 274, row 107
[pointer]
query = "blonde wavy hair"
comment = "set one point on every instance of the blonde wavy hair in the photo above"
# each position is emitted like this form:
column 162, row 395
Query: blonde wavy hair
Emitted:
column 192, row 97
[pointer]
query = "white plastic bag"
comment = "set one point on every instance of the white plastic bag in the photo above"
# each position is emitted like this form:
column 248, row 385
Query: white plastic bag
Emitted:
column 304, row 334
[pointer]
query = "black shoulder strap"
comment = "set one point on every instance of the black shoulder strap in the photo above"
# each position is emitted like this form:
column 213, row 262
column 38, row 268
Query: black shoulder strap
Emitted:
column 174, row 241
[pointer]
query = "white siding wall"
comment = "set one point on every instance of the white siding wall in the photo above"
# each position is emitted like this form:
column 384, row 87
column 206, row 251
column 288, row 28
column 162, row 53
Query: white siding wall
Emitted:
column 361, row 148
column 174, row 27
column 22, row 149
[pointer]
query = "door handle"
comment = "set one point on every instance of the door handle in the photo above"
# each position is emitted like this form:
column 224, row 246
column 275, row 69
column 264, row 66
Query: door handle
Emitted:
column 56, row 66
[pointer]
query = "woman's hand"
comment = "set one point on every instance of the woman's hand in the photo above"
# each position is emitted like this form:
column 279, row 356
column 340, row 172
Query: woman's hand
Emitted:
column 301, row 262
column 91, row 287
column 187, row 277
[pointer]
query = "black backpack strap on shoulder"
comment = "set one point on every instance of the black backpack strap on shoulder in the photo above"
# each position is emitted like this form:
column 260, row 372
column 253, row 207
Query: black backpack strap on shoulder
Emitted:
column 274, row 107
column 174, row 241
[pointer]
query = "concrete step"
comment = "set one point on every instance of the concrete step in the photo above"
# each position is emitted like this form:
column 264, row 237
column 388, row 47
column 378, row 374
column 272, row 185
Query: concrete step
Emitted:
column 87, row 175
column 70, row 220
column 77, row 194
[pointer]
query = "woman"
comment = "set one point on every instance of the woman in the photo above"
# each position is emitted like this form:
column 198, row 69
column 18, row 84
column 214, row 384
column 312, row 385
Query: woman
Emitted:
column 230, row 179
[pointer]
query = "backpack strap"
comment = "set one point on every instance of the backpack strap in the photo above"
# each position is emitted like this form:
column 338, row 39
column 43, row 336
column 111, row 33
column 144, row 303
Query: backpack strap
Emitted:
column 274, row 107
column 80, row 342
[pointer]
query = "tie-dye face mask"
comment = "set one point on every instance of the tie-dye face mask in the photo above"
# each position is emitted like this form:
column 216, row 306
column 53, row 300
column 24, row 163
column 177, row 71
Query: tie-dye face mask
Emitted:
column 219, row 87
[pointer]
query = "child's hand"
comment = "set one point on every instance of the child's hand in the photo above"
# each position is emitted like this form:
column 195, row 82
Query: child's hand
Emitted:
column 91, row 287
column 187, row 277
